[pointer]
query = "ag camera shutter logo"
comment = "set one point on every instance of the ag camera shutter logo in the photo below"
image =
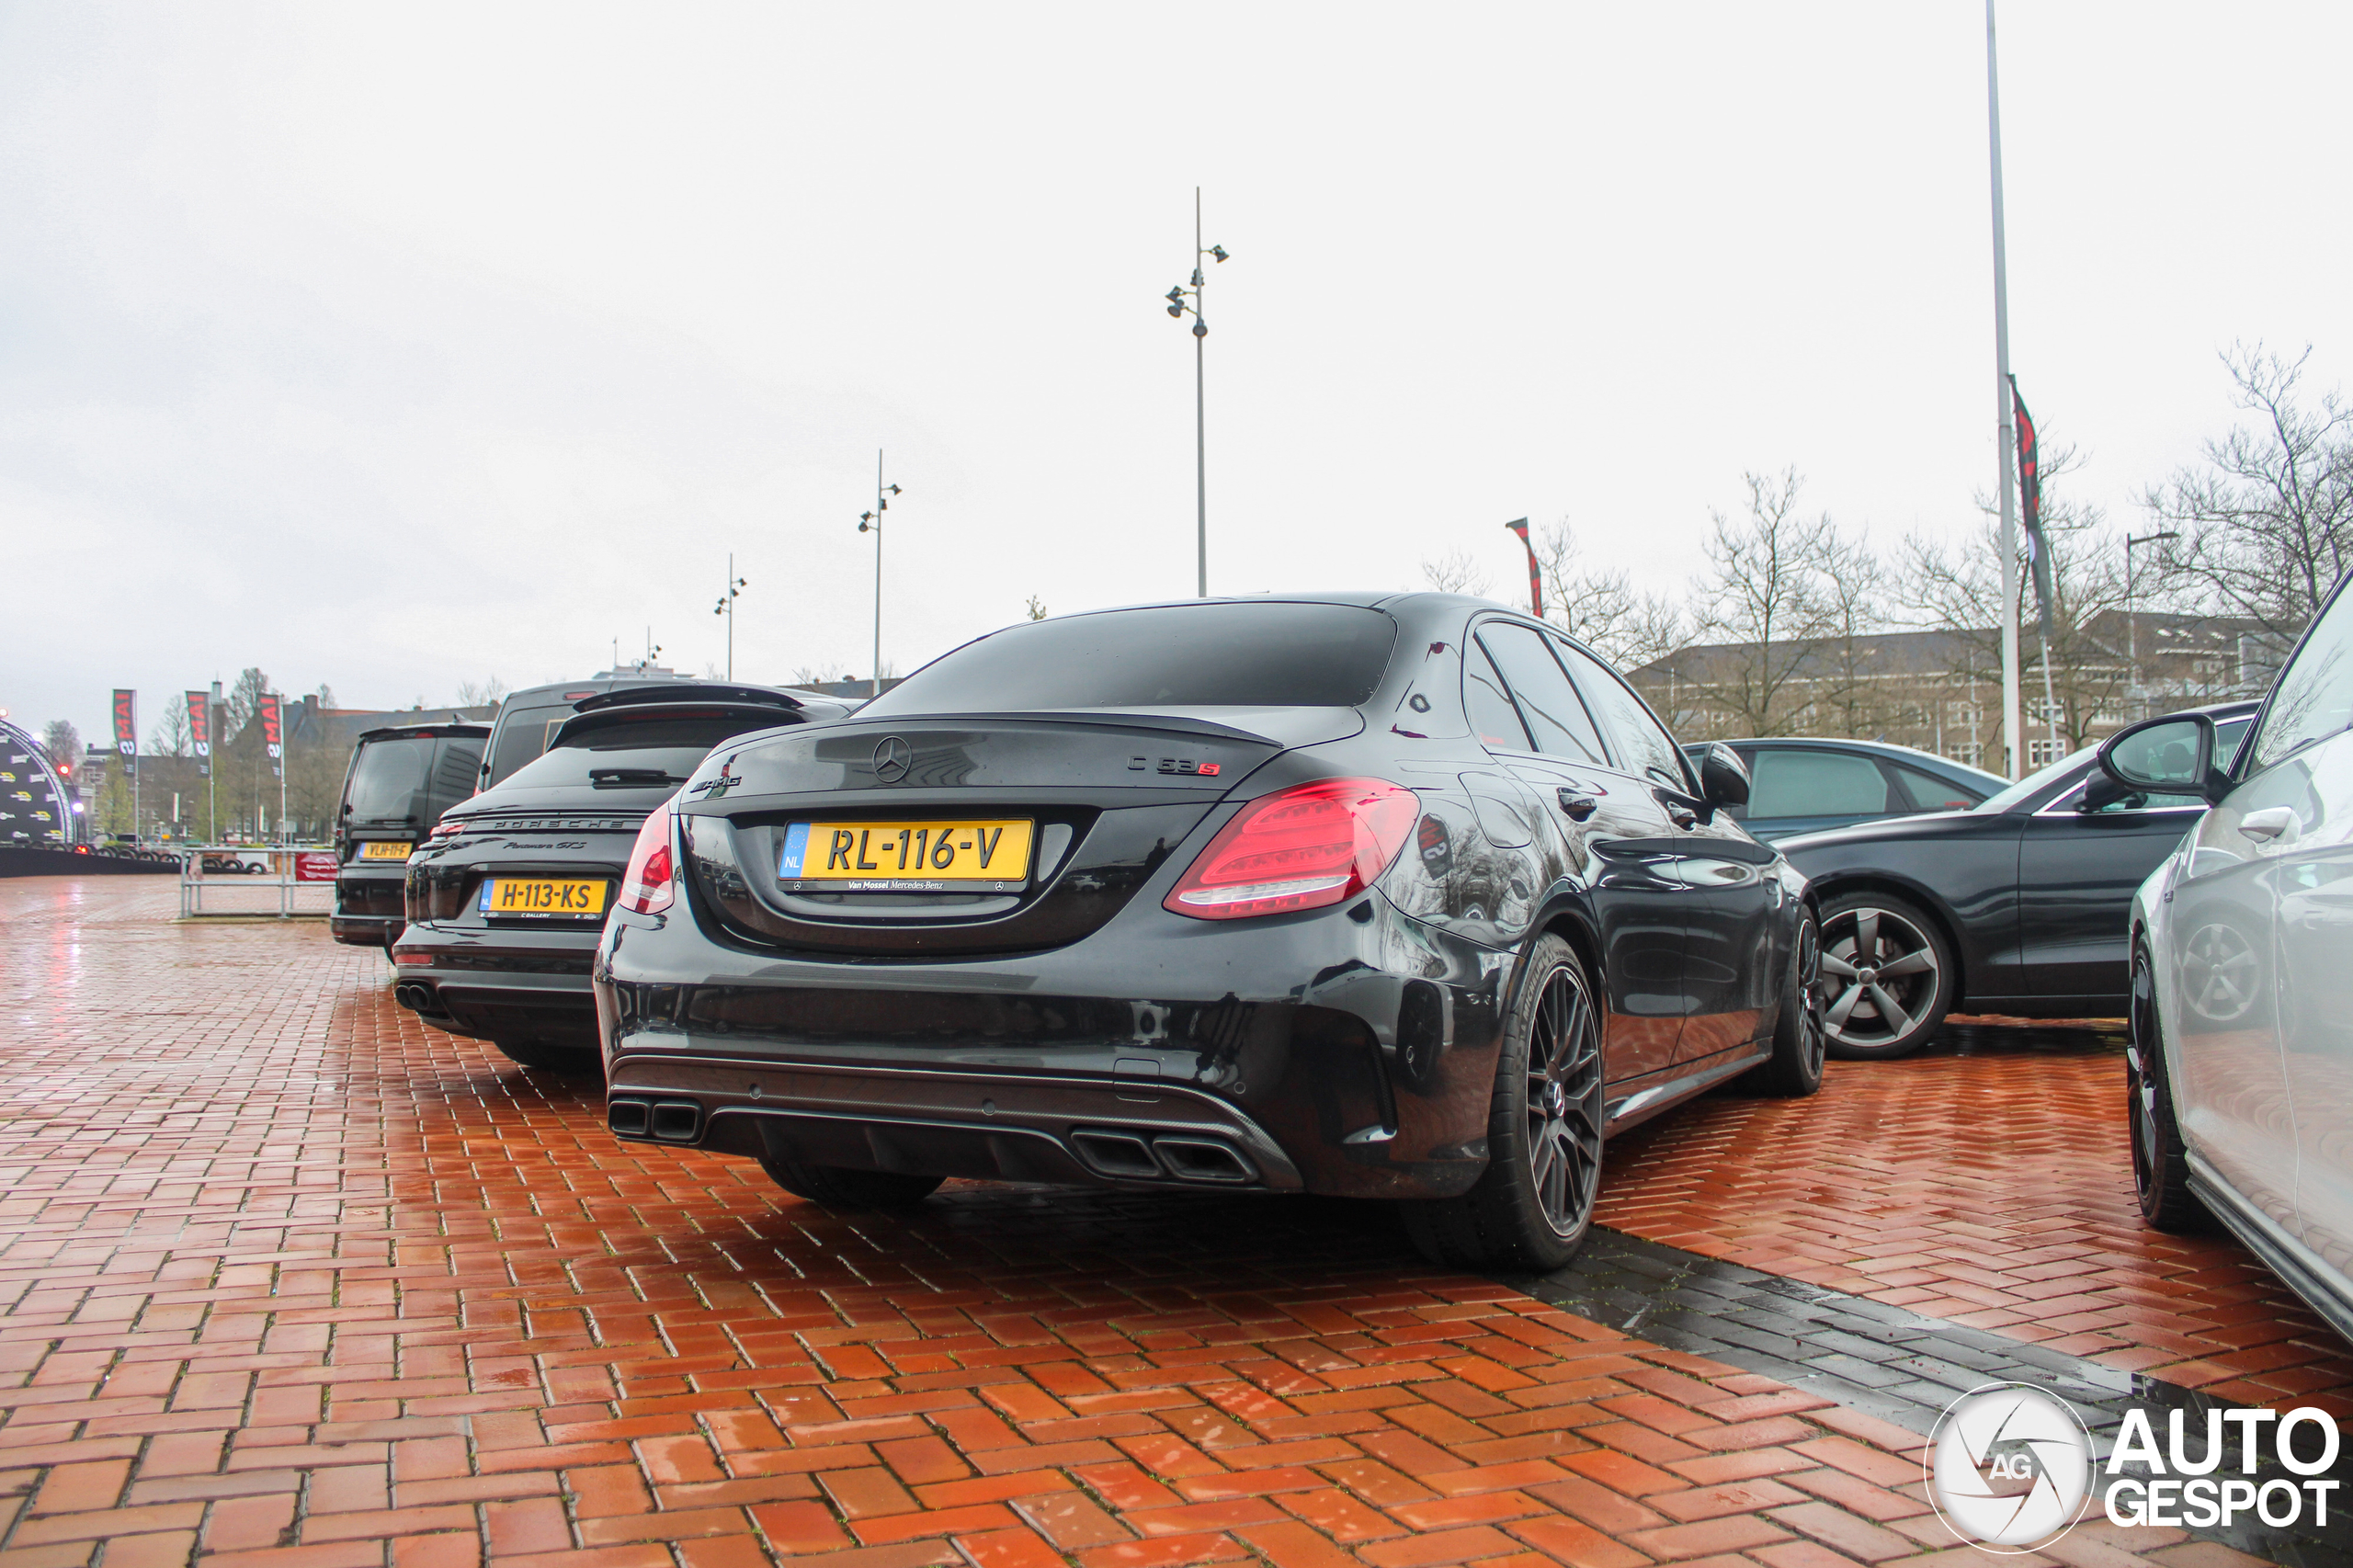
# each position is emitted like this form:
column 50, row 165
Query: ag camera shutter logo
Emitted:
column 2009, row 1466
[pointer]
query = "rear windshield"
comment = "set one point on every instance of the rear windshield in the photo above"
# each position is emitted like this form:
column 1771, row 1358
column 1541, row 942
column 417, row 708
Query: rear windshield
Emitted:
column 656, row 753
column 523, row 734
column 412, row 779
column 387, row 777
column 1246, row 655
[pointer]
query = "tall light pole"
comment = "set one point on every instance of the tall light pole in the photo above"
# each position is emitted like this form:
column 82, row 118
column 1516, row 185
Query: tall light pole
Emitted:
column 1178, row 307
column 2007, row 427
column 882, row 493
column 2131, row 615
column 726, row 606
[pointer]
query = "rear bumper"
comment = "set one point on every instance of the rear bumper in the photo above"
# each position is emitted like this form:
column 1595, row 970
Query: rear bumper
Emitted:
column 1321, row 1053
column 518, row 986
column 364, row 930
column 369, row 904
column 997, row 1127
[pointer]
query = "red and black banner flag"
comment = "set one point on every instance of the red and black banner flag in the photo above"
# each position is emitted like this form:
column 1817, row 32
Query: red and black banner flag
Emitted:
column 2038, row 544
column 273, row 732
column 199, row 729
column 126, row 728
column 1535, row 574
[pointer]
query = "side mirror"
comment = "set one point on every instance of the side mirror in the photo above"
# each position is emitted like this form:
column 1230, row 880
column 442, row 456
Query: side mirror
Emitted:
column 1723, row 778
column 2172, row 755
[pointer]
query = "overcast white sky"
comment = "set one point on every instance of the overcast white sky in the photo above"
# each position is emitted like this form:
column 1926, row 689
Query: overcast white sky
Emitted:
column 392, row 346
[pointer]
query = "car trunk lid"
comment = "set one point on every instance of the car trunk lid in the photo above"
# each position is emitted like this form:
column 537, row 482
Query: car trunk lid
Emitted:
column 1095, row 801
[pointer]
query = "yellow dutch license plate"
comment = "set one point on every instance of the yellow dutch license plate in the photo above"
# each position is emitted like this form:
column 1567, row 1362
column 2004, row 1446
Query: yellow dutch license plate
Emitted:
column 384, row 849
column 905, row 856
column 542, row 895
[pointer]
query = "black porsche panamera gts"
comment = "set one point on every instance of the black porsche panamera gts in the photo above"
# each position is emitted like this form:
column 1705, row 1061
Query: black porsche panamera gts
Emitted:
column 1399, row 897
column 505, row 898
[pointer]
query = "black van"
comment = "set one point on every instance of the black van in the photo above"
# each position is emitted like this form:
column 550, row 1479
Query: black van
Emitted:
column 401, row 780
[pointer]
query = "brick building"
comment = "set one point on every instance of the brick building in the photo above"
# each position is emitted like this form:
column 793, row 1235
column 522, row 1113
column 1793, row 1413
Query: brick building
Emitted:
column 1940, row 691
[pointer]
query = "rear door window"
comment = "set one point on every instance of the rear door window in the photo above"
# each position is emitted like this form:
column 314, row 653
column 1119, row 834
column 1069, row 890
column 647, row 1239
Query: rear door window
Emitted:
column 1815, row 784
column 1930, row 793
column 1555, row 717
column 387, row 778
column 1487, row 705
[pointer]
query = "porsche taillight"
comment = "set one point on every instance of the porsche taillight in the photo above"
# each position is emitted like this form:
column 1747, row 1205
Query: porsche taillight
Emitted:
column 649, row 884
column 1302, row 848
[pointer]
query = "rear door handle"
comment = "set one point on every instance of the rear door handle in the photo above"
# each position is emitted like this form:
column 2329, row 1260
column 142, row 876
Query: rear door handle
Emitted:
column 1579, row 807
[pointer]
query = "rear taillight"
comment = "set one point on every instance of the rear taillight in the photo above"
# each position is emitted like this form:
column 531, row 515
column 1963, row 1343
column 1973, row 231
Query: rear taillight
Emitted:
column 1299, row 848
column 646, row 886
column 447, row 829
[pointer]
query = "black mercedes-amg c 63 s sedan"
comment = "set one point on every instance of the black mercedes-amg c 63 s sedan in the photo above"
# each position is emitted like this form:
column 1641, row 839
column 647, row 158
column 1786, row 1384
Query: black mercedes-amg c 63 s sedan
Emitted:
column 505, row 898
column 1386, row 896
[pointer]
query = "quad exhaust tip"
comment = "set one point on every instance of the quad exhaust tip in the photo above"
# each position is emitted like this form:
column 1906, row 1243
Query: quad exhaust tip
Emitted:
column 672, row 1121
column 1137, row 1156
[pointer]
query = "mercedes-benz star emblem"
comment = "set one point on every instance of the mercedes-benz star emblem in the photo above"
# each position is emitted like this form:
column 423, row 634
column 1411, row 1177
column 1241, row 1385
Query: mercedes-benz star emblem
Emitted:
column 892, row 757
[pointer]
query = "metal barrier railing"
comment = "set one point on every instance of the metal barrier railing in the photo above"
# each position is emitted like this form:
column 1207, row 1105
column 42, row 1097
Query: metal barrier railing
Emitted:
column 288, row 873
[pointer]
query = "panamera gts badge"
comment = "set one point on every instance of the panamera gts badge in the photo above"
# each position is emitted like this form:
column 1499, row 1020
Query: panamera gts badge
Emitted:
column 892, row 757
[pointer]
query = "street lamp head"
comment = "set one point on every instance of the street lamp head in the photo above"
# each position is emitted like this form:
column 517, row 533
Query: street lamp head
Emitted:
column 894, row 490
column 1176, row 296
column 1176, row 310
column 1218, row 250
column 1200, row 329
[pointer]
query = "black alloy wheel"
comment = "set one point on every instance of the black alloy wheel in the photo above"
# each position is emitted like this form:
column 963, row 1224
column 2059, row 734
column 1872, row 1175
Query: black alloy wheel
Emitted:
column 1800, row 1039
column 1532, row 1206
column 1888, row 976
column 2160, row 1159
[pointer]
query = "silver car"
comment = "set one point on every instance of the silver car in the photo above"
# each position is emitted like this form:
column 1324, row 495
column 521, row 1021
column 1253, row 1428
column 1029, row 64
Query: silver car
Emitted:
column 2241, row 1065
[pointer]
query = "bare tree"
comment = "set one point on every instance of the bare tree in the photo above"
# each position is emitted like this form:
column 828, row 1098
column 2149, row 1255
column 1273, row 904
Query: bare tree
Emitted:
column 171, row 736
column 2268, row 516
column 824, row 673
column 1600, row 608
column 1771, row 599
column 486, row 693
column 1959, row 593
column 1037, row 607
column 1456, row 573
column 63, row 743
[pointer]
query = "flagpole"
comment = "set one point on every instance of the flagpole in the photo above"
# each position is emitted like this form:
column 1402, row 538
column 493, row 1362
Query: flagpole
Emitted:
column 2014, row 751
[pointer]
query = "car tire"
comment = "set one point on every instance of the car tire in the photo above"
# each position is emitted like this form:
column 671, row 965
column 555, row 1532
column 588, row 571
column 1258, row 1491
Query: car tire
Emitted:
column 1531, row 1207
column 1904, row 943
column 851, row 1191
column 546, row 1057
column 2160, row 1158
column 1795, row 1070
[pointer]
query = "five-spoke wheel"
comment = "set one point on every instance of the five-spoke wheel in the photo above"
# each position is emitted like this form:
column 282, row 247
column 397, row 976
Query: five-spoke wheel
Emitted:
column 1886, row 977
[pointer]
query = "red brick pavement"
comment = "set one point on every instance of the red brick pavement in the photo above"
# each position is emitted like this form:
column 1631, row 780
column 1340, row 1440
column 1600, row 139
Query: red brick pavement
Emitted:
column 289, row 1279
column 1992, row 1188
